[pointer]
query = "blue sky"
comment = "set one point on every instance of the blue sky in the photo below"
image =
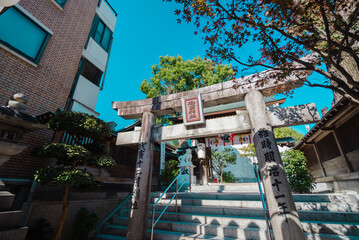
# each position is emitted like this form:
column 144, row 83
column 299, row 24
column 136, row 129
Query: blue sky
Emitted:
column 146, row 30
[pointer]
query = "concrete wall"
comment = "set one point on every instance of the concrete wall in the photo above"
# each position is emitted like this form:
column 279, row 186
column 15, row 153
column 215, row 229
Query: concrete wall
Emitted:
column 96, row 55
column 78, row 107
column 86, row 93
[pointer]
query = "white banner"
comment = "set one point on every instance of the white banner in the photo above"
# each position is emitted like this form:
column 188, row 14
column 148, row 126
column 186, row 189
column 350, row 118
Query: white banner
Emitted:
column 236, row 140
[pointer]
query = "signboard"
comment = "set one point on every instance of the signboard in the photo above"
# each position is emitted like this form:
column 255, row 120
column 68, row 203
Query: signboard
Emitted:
column 192, row 110
column 163, row 155
column 236, row 140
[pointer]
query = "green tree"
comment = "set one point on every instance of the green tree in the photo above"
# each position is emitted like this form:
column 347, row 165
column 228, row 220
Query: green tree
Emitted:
column 287, row 132
column 299, row 176
column 170, row 172
column 293, row 36
column 173, row 75
column 248, row 151
column 221, row 160
column 295, row 166
column 69, row 157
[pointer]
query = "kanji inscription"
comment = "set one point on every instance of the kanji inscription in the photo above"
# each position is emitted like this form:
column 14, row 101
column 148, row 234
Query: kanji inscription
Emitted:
column 192, row 110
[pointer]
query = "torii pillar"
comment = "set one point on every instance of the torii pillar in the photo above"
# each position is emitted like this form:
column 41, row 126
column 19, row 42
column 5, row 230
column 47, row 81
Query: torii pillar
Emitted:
column 142, row 182
column 283, row 214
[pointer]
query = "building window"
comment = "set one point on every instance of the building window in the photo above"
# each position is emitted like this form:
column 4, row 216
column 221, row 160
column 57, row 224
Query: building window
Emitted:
column 91, row 73
column 22, row 33
column 102, row 35
column 61, row 2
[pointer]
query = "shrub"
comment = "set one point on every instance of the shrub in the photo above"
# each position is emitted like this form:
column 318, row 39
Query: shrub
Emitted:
column 170, row 172
column 80, row 124
column 40, row 230
column 228, row 177
column 84, row 223
column 295, row 166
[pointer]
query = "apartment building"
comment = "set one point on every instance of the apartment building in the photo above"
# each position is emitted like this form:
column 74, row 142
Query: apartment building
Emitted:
column 56, row 53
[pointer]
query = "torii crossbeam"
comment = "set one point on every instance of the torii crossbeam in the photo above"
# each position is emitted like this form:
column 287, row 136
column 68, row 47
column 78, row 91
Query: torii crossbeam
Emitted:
column 256, row 119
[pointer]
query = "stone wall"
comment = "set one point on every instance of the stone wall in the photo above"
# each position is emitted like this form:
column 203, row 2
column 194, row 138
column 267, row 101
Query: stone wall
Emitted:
column 52, row 212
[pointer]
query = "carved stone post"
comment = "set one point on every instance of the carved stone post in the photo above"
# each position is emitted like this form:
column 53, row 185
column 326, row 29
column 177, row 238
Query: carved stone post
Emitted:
column 142, row 183
column 282, row 211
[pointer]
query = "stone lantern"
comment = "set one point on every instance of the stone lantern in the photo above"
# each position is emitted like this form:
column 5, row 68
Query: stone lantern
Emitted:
column 14, row 123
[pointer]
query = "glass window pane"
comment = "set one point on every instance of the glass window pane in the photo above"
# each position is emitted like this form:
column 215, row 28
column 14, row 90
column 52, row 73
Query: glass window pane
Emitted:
column 99, row 31
column 106, row 39
column 21, row 33
column 61, row 2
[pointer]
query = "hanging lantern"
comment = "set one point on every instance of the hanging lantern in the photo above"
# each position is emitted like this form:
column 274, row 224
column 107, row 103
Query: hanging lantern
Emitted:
column 201, row 150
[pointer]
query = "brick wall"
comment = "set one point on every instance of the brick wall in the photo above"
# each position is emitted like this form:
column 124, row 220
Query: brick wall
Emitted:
column 48, row 85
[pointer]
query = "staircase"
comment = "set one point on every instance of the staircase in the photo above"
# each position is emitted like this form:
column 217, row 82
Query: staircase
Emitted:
column 217, row 212
column 9, row 220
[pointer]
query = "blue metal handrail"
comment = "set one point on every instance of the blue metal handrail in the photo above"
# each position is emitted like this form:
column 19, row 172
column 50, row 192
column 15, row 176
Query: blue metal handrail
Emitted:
column 153, row 223
column 118, row 208
column 266, row 215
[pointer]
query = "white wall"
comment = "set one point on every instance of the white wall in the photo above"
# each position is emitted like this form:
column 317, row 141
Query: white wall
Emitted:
column 107, row 16
column 86, row 93
column 96, row 54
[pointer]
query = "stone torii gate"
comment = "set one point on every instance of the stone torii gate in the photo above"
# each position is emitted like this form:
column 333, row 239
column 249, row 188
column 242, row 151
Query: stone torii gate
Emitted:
column 256, row 119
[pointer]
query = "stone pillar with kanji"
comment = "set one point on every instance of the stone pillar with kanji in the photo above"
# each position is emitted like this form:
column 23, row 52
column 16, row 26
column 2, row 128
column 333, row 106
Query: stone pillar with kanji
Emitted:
column 142, row 181
column 283, row 214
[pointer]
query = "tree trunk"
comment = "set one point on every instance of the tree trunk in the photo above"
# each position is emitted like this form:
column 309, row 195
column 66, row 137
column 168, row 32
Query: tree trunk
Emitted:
column 65, row 208
column 221, row 177
column 348, row 63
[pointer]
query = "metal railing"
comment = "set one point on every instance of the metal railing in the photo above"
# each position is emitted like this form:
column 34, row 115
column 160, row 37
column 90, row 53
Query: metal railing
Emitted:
column 266, row 214
column 118, row 208
column 153, row 223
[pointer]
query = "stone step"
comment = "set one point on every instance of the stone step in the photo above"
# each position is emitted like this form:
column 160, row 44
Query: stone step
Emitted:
column 214, row 210
column 183, row 231
column 114, row 229
column 212, row 230
column 120, row 231
column 14, row 234
column 202, row 219
column 6, row 200
column 256, row 197
column 10, row 219
column 103, row 236
column 310, row 227
column 305, row 206
column 259, row 213
column 220, row 188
